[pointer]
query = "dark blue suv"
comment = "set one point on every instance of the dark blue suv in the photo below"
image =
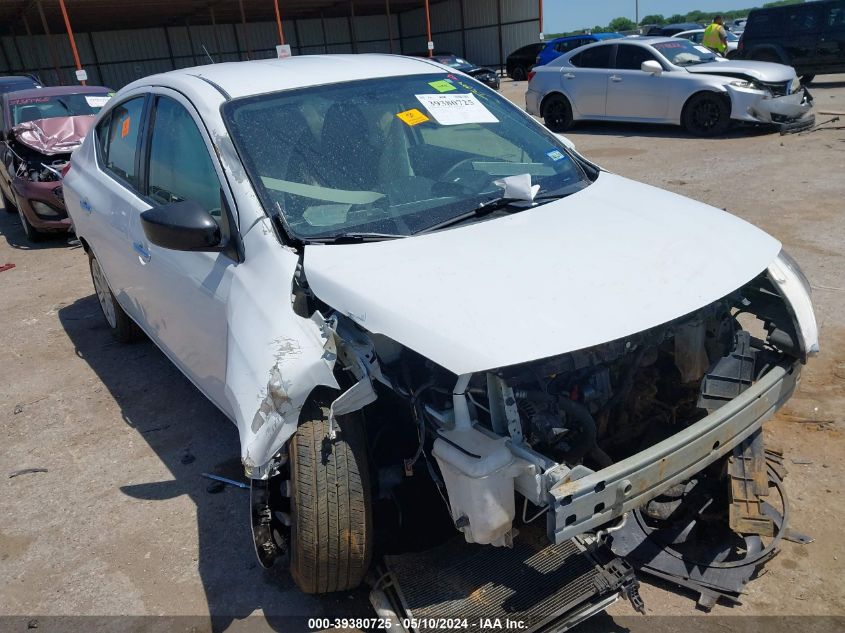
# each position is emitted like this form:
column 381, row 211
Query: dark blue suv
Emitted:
column 557, row 47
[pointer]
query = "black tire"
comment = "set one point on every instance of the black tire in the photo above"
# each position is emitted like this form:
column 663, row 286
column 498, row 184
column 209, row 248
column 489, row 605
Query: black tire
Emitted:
column 122, row 327
column 32, row 234
column 706, row 114
column 806, row 80
column 557, row 113
column 7, row 204
column 519, row 74
column 331, row 513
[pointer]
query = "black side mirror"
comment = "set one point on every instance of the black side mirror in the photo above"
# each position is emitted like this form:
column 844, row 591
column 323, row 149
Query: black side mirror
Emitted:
column 182, row 226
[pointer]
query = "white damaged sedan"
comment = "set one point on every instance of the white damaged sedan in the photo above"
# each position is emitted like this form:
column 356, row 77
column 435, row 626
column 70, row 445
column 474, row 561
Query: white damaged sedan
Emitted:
column 383, row 272
column 665, row 80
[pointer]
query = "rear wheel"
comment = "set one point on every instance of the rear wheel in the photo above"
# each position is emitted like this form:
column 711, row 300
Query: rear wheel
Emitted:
column 557, row 113
column 706, row 114
column 519, row 74
column 122, row 327
column 331, row 521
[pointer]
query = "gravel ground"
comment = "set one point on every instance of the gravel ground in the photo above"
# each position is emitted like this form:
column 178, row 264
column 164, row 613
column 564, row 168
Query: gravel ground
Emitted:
column 122, row 522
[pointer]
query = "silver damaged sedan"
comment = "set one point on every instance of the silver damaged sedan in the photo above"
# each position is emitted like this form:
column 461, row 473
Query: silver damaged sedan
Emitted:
column 665, row 80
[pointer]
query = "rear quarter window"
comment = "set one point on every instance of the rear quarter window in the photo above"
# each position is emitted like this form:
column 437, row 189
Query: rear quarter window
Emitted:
column 763, row 25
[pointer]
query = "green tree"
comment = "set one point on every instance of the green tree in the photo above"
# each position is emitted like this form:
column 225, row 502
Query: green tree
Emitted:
column 676, row 19
column 653, row 19
column 621, row 24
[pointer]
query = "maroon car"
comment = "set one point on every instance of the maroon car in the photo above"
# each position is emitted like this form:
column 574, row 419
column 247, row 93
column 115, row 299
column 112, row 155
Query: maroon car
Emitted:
column 39, row 129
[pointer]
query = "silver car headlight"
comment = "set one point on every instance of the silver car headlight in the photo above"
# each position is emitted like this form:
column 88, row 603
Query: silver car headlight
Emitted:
column 795, row 288
column 795, row 85
column 742, row 83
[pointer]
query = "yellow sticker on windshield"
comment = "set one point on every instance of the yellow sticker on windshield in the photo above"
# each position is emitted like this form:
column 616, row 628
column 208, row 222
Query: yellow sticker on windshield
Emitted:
column 413, row 117
column 442, row 85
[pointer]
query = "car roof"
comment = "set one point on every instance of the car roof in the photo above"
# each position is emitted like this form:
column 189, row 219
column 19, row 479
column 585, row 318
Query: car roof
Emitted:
column 244, row 79
column 54, row 91
column 597, row 36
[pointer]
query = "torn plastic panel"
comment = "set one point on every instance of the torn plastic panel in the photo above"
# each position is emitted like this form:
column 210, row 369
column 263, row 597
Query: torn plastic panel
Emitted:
column 758, row 106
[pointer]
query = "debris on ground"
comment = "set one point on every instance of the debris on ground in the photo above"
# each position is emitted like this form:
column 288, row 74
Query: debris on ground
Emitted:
column 711, row 535
column 26, row 471
column 6, row 267
column 222, row 482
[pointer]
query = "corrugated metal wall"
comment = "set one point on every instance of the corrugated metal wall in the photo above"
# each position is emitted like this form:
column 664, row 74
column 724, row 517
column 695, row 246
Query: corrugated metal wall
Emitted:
column 114, row 58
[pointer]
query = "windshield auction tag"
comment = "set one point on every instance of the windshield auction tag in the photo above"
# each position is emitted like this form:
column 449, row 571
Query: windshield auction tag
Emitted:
column 96, row 101
column 702, row 49
column 413, row 117
column 442, row 85
column 456, row 109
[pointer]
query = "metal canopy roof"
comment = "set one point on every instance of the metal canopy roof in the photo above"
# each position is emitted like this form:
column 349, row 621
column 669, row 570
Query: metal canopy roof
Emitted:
column 107, row 15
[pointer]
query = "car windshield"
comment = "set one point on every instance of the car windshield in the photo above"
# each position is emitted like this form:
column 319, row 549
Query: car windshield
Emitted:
column 47, row 107
column 391, row 156
column 454, row 62
column 684, row 53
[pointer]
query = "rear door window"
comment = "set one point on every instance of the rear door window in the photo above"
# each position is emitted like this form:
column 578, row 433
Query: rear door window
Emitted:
column 595, row 57
column 803, row 19
column 124, row 133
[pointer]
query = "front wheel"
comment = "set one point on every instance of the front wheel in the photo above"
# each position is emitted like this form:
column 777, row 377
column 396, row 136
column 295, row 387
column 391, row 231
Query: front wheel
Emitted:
column 706, row 114
column 32, row 234
column 806, row 80
column 331, row 516
column 122, row 327
column 7, row 204
column 557, row 113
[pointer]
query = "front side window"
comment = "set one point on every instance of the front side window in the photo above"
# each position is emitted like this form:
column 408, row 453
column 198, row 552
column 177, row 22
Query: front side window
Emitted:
column 395, row 156
column 180, row 166
column 594, row 57
column 124, row 129
column 630, row 57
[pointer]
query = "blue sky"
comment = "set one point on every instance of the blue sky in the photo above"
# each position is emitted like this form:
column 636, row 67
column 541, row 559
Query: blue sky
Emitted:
column 568, row 15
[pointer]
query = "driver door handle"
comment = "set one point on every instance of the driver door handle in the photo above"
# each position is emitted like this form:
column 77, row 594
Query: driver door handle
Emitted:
column 143, row 253
column 615, row 78
column 569, row 75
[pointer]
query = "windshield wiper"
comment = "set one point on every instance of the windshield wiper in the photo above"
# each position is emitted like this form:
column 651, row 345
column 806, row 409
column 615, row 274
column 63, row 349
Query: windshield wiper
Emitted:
column 485, row 208
column 356, row 238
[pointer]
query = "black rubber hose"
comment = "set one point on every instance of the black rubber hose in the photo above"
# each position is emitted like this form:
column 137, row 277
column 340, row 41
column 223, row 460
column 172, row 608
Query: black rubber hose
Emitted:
column 585, row 439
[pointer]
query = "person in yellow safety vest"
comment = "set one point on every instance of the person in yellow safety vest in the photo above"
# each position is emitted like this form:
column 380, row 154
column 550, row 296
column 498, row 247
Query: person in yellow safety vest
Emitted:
column 715, row 37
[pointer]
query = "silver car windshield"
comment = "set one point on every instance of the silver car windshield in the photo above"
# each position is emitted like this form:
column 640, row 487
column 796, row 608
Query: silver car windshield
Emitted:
column 682, row 52
column 390, row 156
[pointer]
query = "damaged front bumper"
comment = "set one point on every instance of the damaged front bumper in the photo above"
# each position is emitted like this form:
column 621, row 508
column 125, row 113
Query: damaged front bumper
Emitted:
column 760, row 106
column 42, row 203
column 585, row 503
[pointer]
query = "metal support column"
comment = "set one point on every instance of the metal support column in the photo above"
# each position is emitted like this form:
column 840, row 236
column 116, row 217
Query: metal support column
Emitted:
column 540, row 7
column 463, row 29
column 352, row 26
column 389, row 24
column 246, row 30
column 279, row 22
column 99, row 68
column 428, row 29
column 72, row 39
column 501, row 43
column 49, row 42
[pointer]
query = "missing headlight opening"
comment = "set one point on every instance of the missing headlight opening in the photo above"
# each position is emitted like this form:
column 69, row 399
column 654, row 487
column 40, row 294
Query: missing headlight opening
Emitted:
column 640, row 424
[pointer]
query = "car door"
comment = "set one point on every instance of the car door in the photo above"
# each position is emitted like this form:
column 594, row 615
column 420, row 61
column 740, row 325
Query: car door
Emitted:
column 632, row 93
column 184, row 294
column 111, row 192
column 830, row 53
column 5, row 155
column 584, row 80
column 803, row 25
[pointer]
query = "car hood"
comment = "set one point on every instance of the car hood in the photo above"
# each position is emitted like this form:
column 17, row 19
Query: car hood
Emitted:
column 760, row 71
column 613, row 259
column 57, row 135
column 479, row 70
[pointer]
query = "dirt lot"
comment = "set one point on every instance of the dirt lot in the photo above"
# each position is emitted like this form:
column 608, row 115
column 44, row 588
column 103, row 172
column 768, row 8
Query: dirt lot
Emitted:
column 122, row 522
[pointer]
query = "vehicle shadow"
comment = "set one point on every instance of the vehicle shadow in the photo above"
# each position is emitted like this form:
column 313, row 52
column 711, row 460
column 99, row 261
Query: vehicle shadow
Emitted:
column 12, row 232
column 651, row 130
column 190, row 437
